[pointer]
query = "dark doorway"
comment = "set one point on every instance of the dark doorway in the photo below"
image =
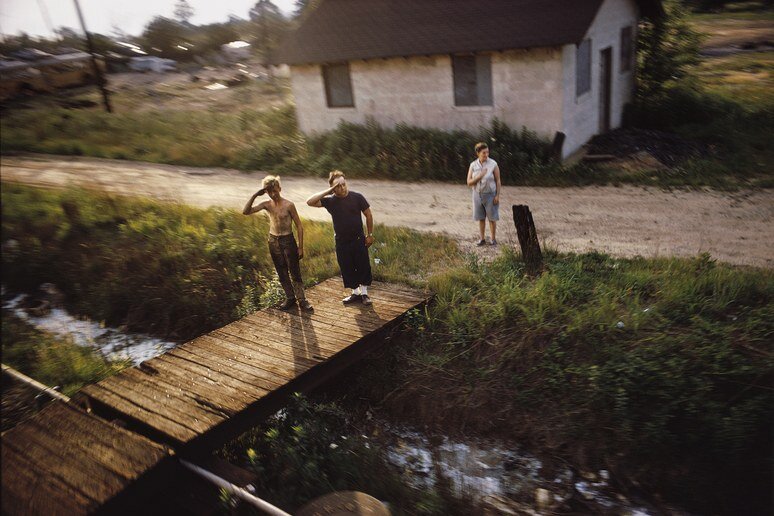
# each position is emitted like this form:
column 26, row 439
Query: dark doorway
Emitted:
column 606, row 86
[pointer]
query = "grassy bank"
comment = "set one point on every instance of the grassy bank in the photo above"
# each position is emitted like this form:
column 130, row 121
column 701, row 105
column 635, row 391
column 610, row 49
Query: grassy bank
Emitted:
column 659, row 370
column 168, row 269
column 51, row 360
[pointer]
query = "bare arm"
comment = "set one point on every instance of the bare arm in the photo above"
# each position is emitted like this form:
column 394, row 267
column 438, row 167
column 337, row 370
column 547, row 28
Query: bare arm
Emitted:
column 472, row 179
column 315, row 199
column 299, row 229
column 369, row 227
column 496, row 172
column 250, row 209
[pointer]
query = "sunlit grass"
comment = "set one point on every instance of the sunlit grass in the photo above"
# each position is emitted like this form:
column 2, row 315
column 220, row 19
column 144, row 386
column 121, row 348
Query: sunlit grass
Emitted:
column 172, row 269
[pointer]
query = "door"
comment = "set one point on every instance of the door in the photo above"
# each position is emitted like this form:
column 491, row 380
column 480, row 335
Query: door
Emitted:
column 606, row 86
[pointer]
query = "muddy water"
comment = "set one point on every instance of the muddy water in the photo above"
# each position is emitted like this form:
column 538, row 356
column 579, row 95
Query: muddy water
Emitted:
column 112, row 343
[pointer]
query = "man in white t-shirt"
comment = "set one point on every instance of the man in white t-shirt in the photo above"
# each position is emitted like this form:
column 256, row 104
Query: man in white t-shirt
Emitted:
column 484, row 179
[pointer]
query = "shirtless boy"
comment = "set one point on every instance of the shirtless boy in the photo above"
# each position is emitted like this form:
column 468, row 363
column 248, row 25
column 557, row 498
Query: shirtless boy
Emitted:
column 284, row 252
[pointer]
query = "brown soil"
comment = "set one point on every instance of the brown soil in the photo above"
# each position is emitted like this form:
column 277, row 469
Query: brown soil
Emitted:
column 624, row 221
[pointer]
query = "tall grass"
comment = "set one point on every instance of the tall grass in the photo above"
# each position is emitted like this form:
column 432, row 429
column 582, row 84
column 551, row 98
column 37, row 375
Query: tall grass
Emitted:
column 660, row 370
column 51, row 360
column 170, row 269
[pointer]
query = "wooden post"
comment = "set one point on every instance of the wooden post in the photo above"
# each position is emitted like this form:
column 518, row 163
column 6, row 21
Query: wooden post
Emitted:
column 530, row 247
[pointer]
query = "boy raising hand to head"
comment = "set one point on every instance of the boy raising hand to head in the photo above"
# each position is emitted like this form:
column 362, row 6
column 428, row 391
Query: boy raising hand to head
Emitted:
column 282, row 245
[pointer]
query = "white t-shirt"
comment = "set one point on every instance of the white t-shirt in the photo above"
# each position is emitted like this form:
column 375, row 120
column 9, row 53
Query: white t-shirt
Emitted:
column 487, row 183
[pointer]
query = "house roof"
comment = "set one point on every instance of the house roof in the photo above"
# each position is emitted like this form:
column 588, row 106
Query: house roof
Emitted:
column 343, row 30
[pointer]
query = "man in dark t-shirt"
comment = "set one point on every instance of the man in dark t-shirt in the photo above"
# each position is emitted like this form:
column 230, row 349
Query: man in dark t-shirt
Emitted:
column 352, row 244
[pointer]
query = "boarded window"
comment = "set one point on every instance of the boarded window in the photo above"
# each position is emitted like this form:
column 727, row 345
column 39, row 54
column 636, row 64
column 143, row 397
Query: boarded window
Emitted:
column 338, row 85
column 626, row 49
column 472, row 80
column 583, row 68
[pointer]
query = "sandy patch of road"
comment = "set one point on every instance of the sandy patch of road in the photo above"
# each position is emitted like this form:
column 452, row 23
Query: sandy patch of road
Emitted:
column 624, row 221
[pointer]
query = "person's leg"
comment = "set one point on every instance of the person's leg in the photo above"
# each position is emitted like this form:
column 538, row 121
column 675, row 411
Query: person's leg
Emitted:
column 363, row 269
column 479, row 214
column 347, row 267
column 493, row 214
column 281, row 266
column 290, row 250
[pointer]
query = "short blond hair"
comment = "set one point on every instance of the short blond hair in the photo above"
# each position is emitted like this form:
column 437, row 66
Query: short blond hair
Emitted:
column 333, row 175
column 271, row 182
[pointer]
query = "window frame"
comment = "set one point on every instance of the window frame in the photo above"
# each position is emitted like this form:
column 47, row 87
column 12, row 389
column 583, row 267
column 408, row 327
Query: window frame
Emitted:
column 583, row 86
column 483, row 89
column 626, row 55
column 326, row 72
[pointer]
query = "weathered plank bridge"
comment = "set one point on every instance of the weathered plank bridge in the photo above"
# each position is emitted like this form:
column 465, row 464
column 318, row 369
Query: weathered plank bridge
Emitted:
column 188, row 401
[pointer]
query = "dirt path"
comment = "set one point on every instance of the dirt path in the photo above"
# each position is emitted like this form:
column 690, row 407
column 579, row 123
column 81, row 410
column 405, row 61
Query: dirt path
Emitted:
column 626, row 221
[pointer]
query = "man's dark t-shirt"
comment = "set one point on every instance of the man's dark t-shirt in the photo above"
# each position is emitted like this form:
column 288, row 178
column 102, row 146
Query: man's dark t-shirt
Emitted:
column 345, row 211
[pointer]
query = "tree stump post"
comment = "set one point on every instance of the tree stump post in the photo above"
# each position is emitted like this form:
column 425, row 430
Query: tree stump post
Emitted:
column 530, row 246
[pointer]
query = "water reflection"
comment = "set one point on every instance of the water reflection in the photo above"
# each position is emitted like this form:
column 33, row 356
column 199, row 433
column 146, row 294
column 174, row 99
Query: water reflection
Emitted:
column 112, row 343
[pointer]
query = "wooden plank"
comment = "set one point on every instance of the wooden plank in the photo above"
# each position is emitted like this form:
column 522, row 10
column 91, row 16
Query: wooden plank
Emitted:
column 265, row 352
column 256, row 377
column 377, row 290
column 189, row 374
column 95, row 483
column 252, row 355
column 283, row 345
column 258, row 355
column 300, row 336
column 196, row 388
column 358, row 317
column 319, row 326
column 367, row 319
column 162, row 386
column 172, row 429
column 268, row 324
column 279, row 345
column 110, row 453
column 238, row 391
column 40, row 446
column 29, row 490
column 388, row 300
column 247, row 357
column 119, row 442
column 181, row 409
column 291, row 368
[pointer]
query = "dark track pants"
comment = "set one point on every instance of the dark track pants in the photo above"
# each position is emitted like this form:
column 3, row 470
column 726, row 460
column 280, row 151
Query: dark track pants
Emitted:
column 353, row 262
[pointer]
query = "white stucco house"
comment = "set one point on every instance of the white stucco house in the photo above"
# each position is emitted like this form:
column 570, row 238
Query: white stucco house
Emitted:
column 553, row 66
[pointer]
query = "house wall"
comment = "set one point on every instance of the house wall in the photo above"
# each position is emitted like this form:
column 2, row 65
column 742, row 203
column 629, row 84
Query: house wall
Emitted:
column 526, row 90
column 581, row 114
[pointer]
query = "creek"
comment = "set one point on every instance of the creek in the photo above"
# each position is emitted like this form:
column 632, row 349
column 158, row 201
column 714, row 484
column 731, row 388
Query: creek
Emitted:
column 112, row 343
column 501, row 477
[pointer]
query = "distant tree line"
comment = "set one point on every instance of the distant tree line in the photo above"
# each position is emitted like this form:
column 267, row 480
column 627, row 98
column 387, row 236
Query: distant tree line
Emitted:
column 177, row 37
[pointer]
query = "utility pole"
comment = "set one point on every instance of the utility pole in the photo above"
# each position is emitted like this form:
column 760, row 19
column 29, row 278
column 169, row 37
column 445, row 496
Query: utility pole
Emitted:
column 97, row 72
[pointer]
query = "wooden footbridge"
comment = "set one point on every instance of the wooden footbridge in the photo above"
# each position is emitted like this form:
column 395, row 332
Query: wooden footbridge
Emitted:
column 187, row 402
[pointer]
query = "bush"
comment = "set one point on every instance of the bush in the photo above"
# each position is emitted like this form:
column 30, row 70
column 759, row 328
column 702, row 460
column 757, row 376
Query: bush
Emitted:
column 417, row 154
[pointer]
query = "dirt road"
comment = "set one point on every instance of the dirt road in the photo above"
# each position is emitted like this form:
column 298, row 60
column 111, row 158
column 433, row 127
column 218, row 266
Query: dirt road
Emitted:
column 627, row 221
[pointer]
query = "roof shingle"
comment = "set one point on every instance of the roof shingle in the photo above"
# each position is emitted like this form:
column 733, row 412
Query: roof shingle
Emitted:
column 343, row 30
